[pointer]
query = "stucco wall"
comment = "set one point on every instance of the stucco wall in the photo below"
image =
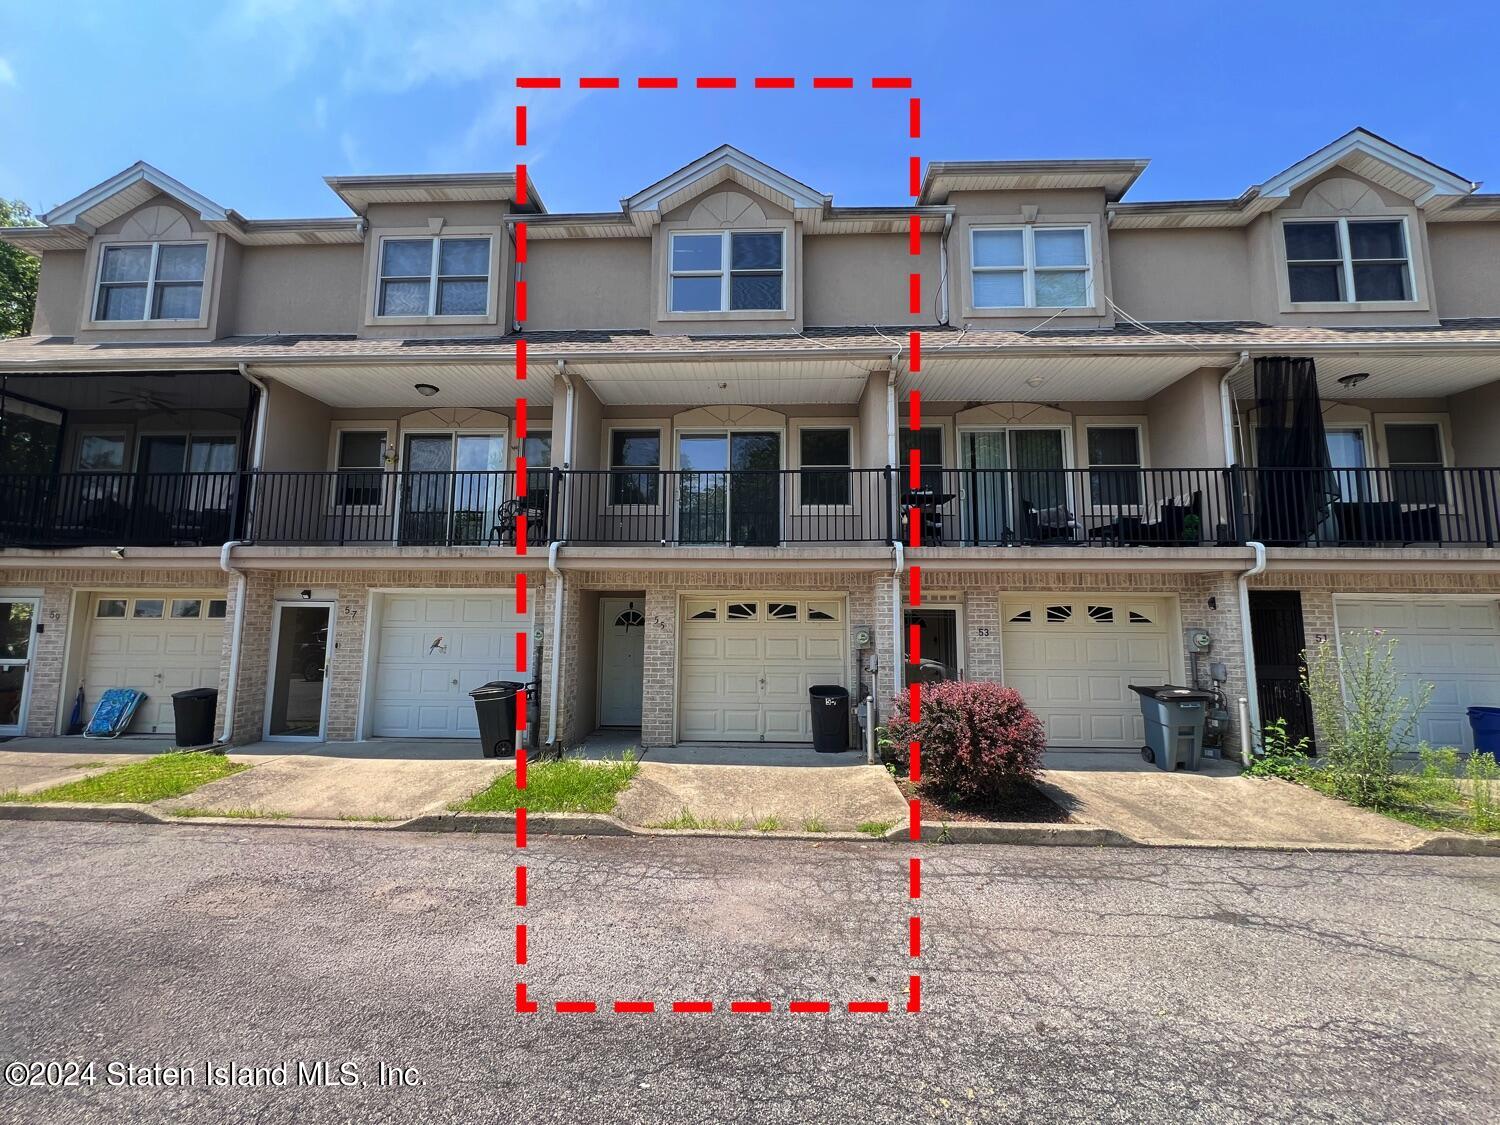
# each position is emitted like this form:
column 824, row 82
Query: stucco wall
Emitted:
column 1181, row 274
column 291, row 289
column 1186, row 422
column 1474, row 418
column 1465, row 268
column 864, row 279
column 59, row 289
column 588, row 283
column 297, row 431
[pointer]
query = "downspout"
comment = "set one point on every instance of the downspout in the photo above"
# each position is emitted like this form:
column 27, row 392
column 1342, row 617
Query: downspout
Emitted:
column 237, row 629
column 554, row 574
column 898, row 549
column 943, row 269
column 1248, row 737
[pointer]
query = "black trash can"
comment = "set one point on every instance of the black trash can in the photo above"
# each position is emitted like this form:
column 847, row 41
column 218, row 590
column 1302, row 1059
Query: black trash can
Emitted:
column 830, row 718
column 495, row 707
column 193, row 715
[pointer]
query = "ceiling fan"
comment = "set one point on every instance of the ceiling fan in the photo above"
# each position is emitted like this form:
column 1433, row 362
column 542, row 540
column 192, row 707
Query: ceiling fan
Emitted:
column 143, row 398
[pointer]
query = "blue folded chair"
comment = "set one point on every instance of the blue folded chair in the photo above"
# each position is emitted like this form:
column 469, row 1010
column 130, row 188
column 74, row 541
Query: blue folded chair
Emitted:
column 116, row 708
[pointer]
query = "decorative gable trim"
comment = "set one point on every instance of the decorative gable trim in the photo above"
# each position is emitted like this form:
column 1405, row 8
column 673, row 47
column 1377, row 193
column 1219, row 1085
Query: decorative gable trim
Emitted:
column 725, row 163
column 1379, row 161
column 126, row 191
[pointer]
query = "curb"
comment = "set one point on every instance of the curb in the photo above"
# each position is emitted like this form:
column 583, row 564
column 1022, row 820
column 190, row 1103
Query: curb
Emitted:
column 602, row 824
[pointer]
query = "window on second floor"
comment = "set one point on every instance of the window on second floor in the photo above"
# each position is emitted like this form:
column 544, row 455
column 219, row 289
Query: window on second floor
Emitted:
column 1341, row 260
column 824, row 455
column 634, row 458
column 151, row 281
column 1414, row 452
column 1031, row 267
column 727, row 271
column 434, row 277
column 1114, row 464
column 360, row 460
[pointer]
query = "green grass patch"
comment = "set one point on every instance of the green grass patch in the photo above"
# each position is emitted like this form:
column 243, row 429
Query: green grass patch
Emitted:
column 768, row 824
column 232, row 814
column 89, row 766
column 813, row 824
column 686, row 821
column 1441, row 795
column 155, row 779
column 877, row 828
column 569, row 785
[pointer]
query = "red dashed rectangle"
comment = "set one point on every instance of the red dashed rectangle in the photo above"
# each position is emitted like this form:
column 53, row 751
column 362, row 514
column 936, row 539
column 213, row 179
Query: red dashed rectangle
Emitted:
column 771, row 83
column 833, row 83
column 750, row 1007
column 716, row 83
column 598, row 83
column 539, row 83
column 656, row 83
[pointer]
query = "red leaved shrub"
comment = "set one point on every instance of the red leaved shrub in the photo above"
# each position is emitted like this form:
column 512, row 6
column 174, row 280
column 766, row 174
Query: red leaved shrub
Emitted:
column 978, row 739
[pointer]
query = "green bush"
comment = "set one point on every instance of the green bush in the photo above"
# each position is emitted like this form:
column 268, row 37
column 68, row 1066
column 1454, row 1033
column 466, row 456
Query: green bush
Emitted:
column 1365, row 714
column 1482, row 773
column 1280, row 757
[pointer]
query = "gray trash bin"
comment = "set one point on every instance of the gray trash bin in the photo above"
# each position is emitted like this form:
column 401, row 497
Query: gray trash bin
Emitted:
column 1174, row 724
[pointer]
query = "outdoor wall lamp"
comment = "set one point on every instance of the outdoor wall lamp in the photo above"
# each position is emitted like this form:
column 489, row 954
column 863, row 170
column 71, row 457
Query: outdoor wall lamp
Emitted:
column 117, row 552
column 1353, row 379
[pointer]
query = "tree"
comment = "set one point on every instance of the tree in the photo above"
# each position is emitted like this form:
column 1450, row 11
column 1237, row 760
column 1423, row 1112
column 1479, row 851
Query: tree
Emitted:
column 18, row 273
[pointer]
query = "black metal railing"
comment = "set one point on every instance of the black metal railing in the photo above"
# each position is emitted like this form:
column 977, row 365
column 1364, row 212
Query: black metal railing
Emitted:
column 760, row 507
column 409, row 509
column 742, row 508
column 1075, row 507
column 119, row 509
column 1371, row 507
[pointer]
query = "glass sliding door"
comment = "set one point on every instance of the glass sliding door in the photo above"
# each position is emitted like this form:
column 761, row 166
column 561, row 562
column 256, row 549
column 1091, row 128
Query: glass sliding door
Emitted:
column 986, row 503
column 729, row 488
column 452, row 486
column 1015, row 486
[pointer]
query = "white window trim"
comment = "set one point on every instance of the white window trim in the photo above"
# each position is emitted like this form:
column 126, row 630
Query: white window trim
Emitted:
column 1346, row 260
column 91, row 317
column 606, row 501
column 725, row 272
column 376, row 255
column 1383, row 422
column 1028, row 267
column 119, row 433
column 794, row 457
column 433, row 277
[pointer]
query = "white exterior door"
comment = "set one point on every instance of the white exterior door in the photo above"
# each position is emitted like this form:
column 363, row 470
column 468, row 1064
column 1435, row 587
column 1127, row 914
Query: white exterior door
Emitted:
column 18, row 619
column 435, row 648
column 1451, row 643
column 622, row 652
column 745, row 664
column 157, row 643
column 1073, row 658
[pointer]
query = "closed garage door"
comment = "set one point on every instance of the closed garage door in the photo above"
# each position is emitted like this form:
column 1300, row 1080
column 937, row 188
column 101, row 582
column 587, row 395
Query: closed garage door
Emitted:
column 433, row 650
column 158, row 643
column 746, row 662
column 1074, row 658
column 1453, row 644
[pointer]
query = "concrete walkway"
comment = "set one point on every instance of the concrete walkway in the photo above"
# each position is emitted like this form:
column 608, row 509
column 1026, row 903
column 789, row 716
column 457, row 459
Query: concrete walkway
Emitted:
column 31, row 764
column 376, row 780
column 838, row 798
column 1214, row 805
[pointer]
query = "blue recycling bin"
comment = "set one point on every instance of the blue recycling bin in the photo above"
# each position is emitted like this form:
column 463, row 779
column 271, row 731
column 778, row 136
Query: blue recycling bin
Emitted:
column 1485, row 722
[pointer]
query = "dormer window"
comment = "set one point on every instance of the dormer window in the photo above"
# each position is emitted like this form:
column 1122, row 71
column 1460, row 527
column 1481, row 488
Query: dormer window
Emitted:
column 1343, row 260
column 723, row 271
column 1031, row 267
column 151, row 281
column 434, row 277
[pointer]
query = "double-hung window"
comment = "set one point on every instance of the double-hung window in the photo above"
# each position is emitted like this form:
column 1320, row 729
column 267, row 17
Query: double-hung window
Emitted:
column 1341, row 260
column 151, row 281
column 1031, row 267
column 361, row 468
column 727, row 271
column 434, row 277
column 1114, row 465
column 1414, row 451
column 825, row 460
column 634, row 464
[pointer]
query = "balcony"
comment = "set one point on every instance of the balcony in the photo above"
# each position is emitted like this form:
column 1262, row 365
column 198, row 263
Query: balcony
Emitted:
column 975, row 508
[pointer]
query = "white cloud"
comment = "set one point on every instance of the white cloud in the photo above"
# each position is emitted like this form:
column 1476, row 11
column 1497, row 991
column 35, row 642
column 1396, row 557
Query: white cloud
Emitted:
column 7, row 73
column 395, row 47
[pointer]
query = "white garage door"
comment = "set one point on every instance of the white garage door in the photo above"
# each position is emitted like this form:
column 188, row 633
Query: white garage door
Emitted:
column 746, row 662
column 158, row 643
column 1453, row 644
column 1073, row 657
column 433, row 650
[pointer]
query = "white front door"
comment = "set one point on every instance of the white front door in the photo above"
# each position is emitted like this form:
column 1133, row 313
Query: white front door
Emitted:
column 746, row 662
column 433, row 649
column 301, row 651
column 1451, row 643
column 17, row 640
column 157, row 643
column 1073, row 658
column 622, row 653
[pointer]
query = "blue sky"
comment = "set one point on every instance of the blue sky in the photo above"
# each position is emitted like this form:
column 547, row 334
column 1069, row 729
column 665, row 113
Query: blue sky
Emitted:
column 252, row 102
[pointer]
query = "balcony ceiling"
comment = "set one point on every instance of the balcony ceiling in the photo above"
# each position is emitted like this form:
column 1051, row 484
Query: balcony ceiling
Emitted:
column 1392, row 375
column 487, row 386
column 135, row 391
column 1024, row 378
column 742, row 383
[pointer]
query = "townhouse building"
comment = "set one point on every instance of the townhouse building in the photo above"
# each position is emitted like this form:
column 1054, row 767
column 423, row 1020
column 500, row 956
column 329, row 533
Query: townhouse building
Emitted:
column 1157, row 442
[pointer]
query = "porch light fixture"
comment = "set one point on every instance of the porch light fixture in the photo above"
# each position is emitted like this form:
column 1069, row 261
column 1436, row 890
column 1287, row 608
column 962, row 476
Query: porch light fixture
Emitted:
column 1353, row 379
column 426, row 390
column 305, row 595
column 1035, row 381
column 117, row 552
